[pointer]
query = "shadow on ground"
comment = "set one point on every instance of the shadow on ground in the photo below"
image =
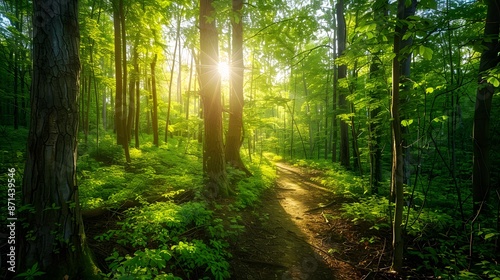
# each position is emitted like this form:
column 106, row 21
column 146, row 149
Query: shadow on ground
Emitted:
column 280, row 237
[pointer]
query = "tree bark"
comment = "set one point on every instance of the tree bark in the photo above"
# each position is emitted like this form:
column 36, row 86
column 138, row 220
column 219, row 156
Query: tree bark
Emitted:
column 482, row 111
column 131, row 96
column 342, row 73
column 154, row 117
column 138, row 104
column 177, row 45
column 397, row 149
column 405, row 66
column 374, row 127
column 57, row 239
column 214, row 166
column 120, row 121
column 234, row 137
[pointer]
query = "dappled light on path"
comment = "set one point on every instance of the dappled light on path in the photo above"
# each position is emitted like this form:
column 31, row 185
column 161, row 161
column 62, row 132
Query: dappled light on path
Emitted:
column 287, row 241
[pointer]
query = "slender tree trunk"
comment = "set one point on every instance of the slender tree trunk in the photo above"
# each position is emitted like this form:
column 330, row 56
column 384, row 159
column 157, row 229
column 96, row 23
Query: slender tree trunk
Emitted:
column 154, row 117
column 397, row 149
column 214, row 166
column 172, row 79
column 124, row 71
column 87, row 109
column 234, row 137
column 375, row 131
column 121, row 133
column 189, row 93
column 138, row 104
column 131, row 94
column 374, row 110
column 342, row 73
column 57, row 239
column 481, row 135
column 405, row 66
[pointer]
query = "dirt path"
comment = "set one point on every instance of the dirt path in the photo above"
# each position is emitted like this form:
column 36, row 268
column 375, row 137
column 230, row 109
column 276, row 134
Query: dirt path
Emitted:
column 283, row 240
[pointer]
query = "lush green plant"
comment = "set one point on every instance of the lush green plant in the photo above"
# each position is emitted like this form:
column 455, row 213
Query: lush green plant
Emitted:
column 145, row 264
column 372, row 209
column 162, row 233
column 336, row 178
column 31, row 274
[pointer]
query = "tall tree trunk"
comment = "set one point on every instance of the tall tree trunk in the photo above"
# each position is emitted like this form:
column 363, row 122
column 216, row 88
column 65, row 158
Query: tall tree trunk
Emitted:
column 234, row 137
column 405, row 66
column 121, row 134
column 375, row 131
column 374, row 127
column 214, row 166
column 57, row 241
column 397, row 149
column 177, row 45
column 482, row 111
column 138, row 104
column 342, row 73
column 154, row 117
column 87, row 109
column 335, row 95
column 131, row 94
column 124, row 71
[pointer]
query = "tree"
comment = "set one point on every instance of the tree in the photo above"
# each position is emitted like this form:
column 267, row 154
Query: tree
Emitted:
column 214, row 167
column 55, row 227
column 154, row 113
column 235, row 129
column 120, row 115
column 397, row 149
column 374, row 109
column 342, row 74
column 489, row 59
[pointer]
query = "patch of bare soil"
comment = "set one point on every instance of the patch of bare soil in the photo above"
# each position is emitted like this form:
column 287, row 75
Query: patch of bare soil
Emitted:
column 297, row 233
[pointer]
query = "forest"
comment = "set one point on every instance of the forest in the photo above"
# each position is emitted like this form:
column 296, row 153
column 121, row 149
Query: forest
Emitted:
column 257, row 139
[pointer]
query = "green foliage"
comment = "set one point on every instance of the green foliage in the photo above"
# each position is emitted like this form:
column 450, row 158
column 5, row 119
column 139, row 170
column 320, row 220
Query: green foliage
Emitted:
column 249, row 189
column 31, row 274
column 336, row 178
column 374, row 210
column 145, row 264
column 195, row 254
column 163, row 233
column 105, row 182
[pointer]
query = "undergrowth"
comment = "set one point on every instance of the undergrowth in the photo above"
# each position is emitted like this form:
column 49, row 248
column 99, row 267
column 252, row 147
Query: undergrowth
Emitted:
column 164, row 237
column 439, row 243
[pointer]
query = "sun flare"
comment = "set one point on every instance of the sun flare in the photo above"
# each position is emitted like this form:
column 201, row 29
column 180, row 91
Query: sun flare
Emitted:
column 224, row 70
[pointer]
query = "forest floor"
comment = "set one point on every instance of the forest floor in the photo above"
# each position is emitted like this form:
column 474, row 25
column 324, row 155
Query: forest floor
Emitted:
column 297, row 233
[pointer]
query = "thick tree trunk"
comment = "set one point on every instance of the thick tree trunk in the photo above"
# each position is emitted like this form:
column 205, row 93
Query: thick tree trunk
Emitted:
column 57, row 238
column 489, row 60
column 236, row 102
column 214, row 165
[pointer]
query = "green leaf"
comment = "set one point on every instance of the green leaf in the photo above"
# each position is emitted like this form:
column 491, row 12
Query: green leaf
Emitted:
column 429, row 90
column 494, row 81
column 425, row 52
column 407, row 122
column 489, row 235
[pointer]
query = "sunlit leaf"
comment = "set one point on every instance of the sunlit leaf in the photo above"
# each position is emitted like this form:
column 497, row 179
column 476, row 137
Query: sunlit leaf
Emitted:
column 407, row 122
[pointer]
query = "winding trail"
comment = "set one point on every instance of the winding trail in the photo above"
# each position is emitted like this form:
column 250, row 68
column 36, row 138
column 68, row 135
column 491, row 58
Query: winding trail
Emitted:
column 284, row 240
